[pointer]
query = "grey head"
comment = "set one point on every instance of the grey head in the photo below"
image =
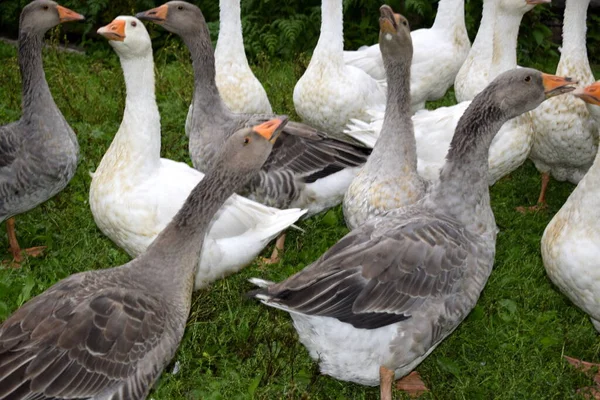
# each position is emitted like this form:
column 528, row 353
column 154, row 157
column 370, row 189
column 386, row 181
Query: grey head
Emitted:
column 520, row 90
column 395, row 41
column 179, row 17
column 41, row 15
column 248, row 148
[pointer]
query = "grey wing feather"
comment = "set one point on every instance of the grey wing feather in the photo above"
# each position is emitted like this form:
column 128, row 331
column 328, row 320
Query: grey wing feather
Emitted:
column 10, row 143
column 379, row 273
column 60, row 345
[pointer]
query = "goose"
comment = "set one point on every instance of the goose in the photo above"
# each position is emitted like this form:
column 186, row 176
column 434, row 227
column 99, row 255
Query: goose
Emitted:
column 438, row 54
column 389, row 178
column 108, row 334
column 330, row 93
column 570, row 243
column 240, row 90
column 566, row 137
column 307, row 169
column 496, row 39
column 135, row 193
column 381, row 299
column 434, row 129
column 39, row 152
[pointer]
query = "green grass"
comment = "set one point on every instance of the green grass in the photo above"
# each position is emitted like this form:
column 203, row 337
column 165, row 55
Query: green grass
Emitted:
column 510, row 347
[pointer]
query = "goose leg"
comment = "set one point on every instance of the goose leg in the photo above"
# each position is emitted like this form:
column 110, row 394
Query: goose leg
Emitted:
column 15, row 249
column 412, row 384
column 592, row 392
column 277, row 251
column 386, row 377
column 541, row 203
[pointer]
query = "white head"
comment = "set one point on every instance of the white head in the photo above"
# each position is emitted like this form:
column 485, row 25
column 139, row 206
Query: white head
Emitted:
column 128, row 36
column 519, row 7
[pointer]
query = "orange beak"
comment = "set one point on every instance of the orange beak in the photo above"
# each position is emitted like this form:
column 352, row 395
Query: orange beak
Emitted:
column 387, row 19
column 66, row 15
column 589, row 94
column 555, row 85
column 158, row 14
column 114, row 31
column 270, row 130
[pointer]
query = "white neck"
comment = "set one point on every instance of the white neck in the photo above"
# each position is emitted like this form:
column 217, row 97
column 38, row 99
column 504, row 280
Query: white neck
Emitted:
column 230, row 44
column 506, row 32
column 450, row 15
column 573, row 48
column 331, row 40
column 136, row 145
column 481, row 48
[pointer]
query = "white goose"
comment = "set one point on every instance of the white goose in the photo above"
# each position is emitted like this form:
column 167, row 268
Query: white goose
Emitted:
column 134, row 193
column 566, row 137
column 571, row 241
column 434, row 129
column 439, row 53
column 239, row 88
column 330, row 93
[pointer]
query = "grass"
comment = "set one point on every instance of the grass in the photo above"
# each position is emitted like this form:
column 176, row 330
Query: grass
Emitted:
column 510, row 346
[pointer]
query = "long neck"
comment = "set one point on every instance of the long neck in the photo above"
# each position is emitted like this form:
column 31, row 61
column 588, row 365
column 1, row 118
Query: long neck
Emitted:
column 485, row 35
column 506, row 32
column 396, row 144
column 574, row 31
column 178, row 246
column 207, row 100
column 138, row 138
column 230, row 43
column 331, row 40
column 463, row 186
column 37, row 98
column 450, row 15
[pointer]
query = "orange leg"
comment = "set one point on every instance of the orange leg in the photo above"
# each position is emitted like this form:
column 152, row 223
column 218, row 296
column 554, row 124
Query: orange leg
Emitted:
column 412, row 384
column 541, row 203
column 277, row 251
column 386, row 377
column 15, row 249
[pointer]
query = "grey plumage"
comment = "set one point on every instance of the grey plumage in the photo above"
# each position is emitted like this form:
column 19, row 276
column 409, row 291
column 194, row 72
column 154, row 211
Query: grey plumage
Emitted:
column 108, row 334
column 302, row 154
column 38, row 153
column 418, row 269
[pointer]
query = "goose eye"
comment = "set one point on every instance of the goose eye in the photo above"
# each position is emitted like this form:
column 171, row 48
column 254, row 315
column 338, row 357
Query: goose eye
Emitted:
column 246, row 140
column 133, row 23
column 404, row 23
column 180, row 7
column 45, row 7
column 527, row 78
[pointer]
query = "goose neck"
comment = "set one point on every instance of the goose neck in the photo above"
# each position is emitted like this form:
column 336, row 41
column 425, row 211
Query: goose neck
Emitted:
column 506, row 32
column 230, row 42
column 450, row 15
column 485, row 33
column 462, row 190
column 37, row 98
column 331, row 40
column 574, row 30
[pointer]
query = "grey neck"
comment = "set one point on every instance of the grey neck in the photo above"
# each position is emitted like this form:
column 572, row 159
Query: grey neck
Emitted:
column 462, row 190
column 207, row 102
column 396, row 144
column 175, row 252
column 37, row 98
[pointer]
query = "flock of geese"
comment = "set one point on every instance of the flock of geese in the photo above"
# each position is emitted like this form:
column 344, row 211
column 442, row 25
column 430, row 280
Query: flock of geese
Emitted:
column 414, row 185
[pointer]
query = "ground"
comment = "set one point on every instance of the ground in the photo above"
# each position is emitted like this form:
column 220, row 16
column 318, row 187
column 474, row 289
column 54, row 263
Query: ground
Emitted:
column 510, row 346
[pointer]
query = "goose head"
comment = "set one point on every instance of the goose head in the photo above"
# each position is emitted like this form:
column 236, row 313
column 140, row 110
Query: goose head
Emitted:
column 520, row 7
column 42, row 15
column 128, row 36
column 591, row 95
column 394, row 34
column 248, row 148
column 179, row 17
column 522, row 89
